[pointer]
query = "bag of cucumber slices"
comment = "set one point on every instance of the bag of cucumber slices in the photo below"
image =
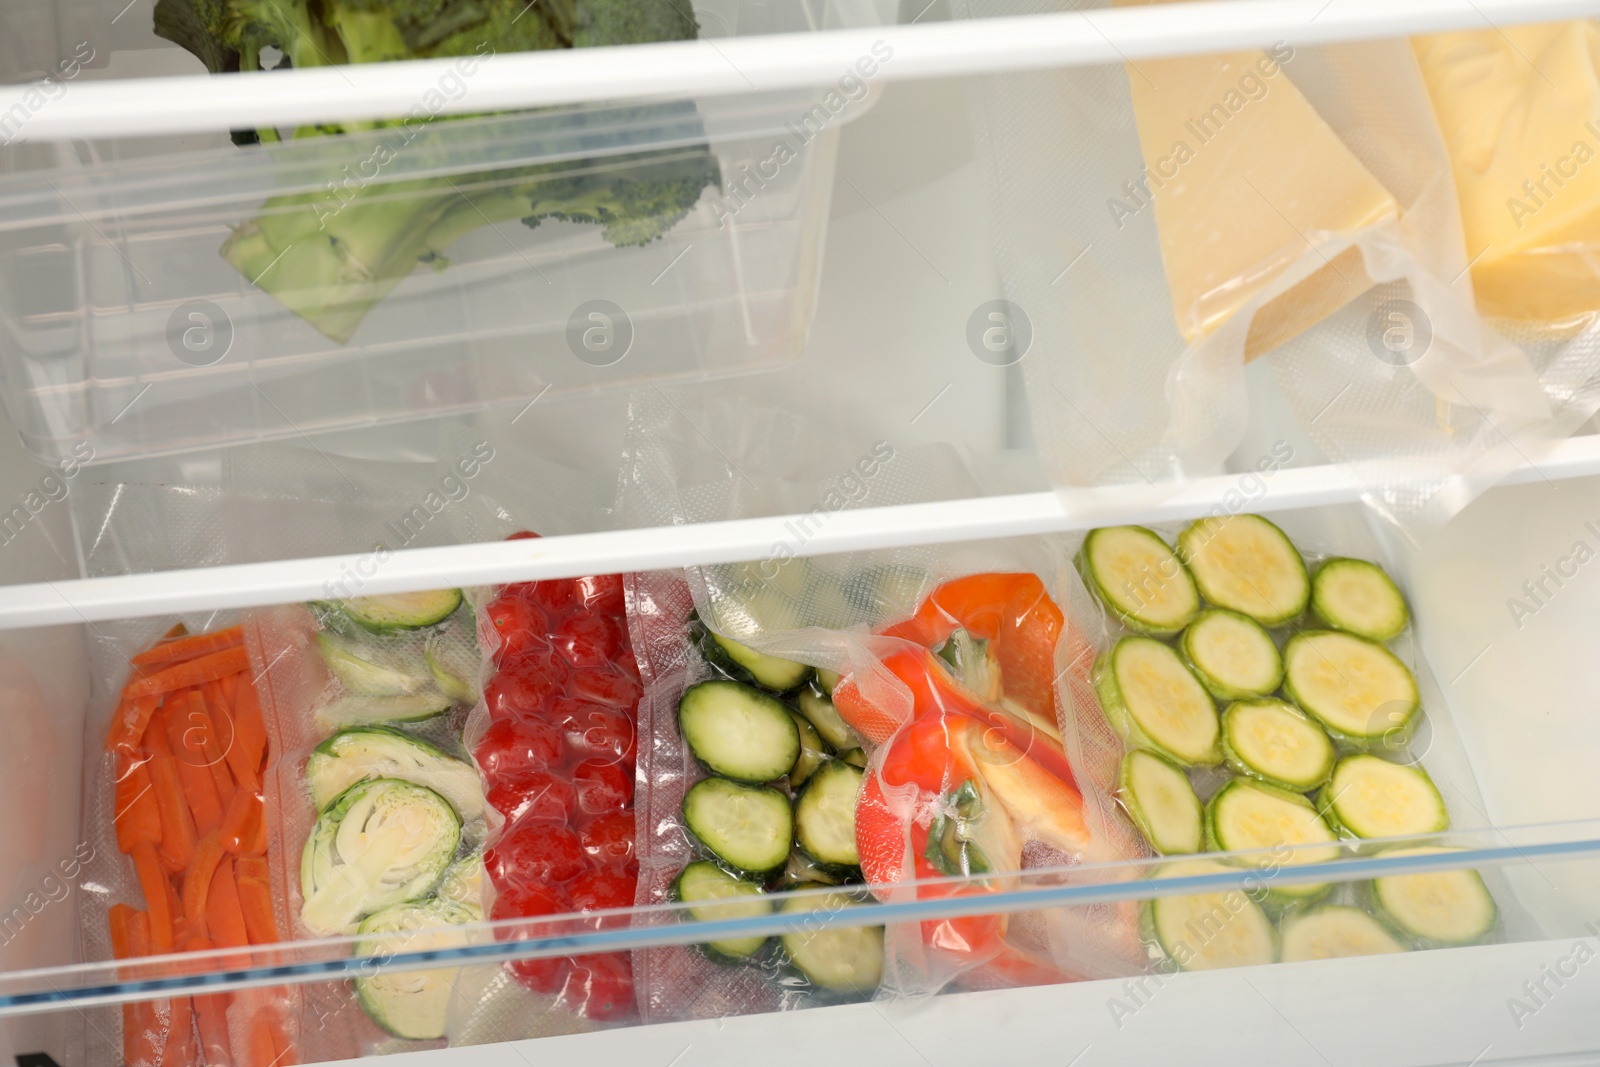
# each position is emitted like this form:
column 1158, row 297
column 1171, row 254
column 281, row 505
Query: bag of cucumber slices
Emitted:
column 367, row 698
column 1268, row 698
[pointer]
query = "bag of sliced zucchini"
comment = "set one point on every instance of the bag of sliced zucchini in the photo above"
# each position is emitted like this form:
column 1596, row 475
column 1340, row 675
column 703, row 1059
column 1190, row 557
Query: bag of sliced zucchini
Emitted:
column 368, row 697
column 1261, row 680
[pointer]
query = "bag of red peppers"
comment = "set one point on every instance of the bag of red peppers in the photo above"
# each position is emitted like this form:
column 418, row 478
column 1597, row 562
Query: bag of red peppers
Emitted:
column 558, row 759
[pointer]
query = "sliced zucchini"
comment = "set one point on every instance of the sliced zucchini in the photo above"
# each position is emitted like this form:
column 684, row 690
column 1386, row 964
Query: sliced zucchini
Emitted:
column 1209, row 931
column 1277, row 743
column 1233, row 655
column 802, row 870
column 368, row 671
column 413, row 1004
column 401, row 611
column 748, row 827
column 1359, row 598
column 840, row 959
column 381, row 842
column 1333, row 931
column 818, row 707
column 1163, row 804
column 455, row 666
column 1135, row 574
column 1153, row 700
column 1438, row 908
column 1371, row 797
column 1246, row 814
column 827, row 680
column 738, row 731
column 825, row 815
column 1246, row 564
column 811, row 752
column 1356, row 688
column 366, row 711
column 745, row 664
column 714, row 895
column 363, row 752
column 856, row 757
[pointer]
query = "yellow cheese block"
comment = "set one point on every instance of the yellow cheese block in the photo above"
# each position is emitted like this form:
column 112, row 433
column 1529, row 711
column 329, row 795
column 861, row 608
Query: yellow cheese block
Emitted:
column 1247, row 179
column 1520, row 112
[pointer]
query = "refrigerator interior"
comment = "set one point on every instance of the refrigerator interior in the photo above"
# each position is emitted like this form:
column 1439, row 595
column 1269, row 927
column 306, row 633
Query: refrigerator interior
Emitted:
column 908, row 261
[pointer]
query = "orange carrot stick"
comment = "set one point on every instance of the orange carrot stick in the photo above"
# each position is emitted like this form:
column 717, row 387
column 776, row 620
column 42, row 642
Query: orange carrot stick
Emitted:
column 137, row 817
column 224, row 916
column 120, row 919
column 211, row 1016
column 177, row 825
column 153, row 883
column 187, row 648
column 230, row 688
column 129, row 720
column 255, row 897
column 213, row 731
column 185, row 725
column 243, row 824
column 192, row 672
column 181, row 1049
column 139, row 1019
column 250, row 733
column 197, row 881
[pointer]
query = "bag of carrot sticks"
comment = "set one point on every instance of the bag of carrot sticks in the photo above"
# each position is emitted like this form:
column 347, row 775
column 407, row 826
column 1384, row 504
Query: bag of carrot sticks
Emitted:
column 176, row 828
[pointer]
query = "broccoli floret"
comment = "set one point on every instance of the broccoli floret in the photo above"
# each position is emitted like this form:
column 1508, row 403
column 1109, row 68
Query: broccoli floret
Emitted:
column 331, row 260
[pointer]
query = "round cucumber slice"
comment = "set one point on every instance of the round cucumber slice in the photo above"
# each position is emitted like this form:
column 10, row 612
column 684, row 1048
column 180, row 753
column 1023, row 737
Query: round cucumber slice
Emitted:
column 1277, row 743
column 1233, row 655
column 1209, row 931
column 1135, row 574
column 825, row 815
column 1246, row 564
column 1246, row 814
column 401, row 611
column 714, row 895
column 1371, row 797
column 1153, row 700
column 1357, row 689
column 1162, row 803
column 840, row 959
column 1359, row 598
column 1438, row 908
column 747, row 827
column 738, row 731
column 1334, row 931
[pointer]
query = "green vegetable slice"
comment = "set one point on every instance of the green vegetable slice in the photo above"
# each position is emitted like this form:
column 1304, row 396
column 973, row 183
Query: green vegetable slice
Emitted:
column 818, row 708
column 413, row 1004
column 1359, row 598
column 1162, row 803
column 1246, row 564
column 1153, row 699
column 1334, row 931
column 811, row 752
column 1277, row 743
column 1209, row 931
column 1371, row 797
column 1248, row 815
column 840, row 959
column 367, row 711
column 825, row 815
column 1356, row 688
column 381, row 842
column 402, row 611
column 371, row 671
column 747, row 827
column 745, row 664
column 364, row 752
column 738, row 731
column 714, row 895
column 1438, row 908
column 1140, row 578
column 1233, row 655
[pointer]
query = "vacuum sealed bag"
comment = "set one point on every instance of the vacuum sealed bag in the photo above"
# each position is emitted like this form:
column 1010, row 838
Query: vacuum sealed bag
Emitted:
column 1163, row 223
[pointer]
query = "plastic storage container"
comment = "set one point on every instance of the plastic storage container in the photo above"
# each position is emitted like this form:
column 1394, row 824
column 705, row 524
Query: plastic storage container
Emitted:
column 125, row 328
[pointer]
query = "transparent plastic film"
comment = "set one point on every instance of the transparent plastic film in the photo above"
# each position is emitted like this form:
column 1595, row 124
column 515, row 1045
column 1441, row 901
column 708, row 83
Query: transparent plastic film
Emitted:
column 1292, row 204
column 177, row 854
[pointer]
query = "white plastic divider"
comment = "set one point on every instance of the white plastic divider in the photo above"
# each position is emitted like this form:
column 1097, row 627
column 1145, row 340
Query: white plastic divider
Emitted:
column 88, row 600
column 708, row 67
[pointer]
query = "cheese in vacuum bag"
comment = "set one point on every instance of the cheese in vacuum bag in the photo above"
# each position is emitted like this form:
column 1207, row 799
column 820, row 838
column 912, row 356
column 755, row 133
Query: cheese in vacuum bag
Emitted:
column 1519, row 109
column 1247, row 179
